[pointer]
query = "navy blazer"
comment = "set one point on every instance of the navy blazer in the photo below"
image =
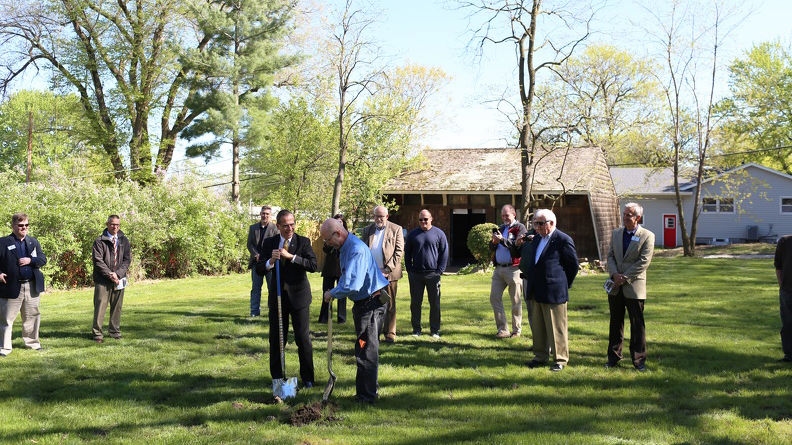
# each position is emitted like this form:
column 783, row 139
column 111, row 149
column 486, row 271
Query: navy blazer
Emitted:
column 9, row 265
column 551, row 277
column 293, row 276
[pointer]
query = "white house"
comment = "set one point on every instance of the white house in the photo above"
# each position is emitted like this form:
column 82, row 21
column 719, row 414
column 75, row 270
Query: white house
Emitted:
column 750, row 203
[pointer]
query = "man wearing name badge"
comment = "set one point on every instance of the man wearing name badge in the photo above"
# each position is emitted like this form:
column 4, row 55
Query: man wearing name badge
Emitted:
column 296, row 258
column 362, row 282
column 111, row 258
column 506, row 256
column 630, row 253
column 549, row 264
column 21, row 283
column 425, row 257
column 257, row 233
column 783, row 267
column 386, row 241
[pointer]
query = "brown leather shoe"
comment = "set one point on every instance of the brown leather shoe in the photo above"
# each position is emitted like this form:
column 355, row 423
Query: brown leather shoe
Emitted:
column 516, row 334
column 502, row 335
column 99, row 340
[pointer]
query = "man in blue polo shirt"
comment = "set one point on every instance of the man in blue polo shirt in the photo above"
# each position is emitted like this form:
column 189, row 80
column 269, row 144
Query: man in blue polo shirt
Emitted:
column 362, row 282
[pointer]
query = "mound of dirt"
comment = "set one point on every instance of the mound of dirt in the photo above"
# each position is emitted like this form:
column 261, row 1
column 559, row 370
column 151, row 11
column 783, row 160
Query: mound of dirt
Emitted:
column 308, row 414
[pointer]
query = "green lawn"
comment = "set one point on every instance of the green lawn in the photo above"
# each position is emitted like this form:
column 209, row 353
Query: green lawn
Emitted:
column 193, row 369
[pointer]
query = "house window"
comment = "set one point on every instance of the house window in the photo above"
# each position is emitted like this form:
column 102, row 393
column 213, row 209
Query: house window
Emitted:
column 786, row 205
column 717, row 205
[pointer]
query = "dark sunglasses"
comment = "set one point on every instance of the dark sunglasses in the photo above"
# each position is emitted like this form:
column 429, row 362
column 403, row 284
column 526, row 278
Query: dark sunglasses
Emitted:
column 23, row 225
column 540, row 223
column 423, row 219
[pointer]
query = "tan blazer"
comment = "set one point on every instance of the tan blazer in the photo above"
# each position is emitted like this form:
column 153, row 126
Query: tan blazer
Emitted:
column 392, row 247
column 633, row 263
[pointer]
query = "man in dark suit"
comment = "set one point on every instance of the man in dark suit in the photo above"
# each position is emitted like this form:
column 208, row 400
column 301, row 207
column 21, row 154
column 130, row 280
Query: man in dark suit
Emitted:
column 21, row 282
column 549, row 265
column 296, row 258
column 256, row 234
column 506, row 257
column 386, row 242
column 111, row 258
column 629, row 256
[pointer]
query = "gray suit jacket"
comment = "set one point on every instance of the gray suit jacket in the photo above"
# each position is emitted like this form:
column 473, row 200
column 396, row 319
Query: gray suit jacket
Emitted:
column 632, row 263
column 392, row 247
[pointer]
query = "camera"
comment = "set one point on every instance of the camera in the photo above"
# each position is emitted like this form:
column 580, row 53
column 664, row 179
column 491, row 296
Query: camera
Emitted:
column 495, row 230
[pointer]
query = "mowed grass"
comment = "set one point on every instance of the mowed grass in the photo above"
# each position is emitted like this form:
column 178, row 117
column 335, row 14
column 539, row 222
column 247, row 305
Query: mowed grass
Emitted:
column 192, row 368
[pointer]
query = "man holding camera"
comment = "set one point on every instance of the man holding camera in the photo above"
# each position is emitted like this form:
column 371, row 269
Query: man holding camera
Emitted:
column 506, row 257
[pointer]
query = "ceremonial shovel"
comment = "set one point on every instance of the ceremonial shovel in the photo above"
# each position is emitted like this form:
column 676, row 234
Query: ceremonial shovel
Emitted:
column 285, row 387
column 331, row 381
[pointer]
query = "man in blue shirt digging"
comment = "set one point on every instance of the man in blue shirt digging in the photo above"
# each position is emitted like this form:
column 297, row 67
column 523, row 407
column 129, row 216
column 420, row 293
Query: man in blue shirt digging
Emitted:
column 362, row 282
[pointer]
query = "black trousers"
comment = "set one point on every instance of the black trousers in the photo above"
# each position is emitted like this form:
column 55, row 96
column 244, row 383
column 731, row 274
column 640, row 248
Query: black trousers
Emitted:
column 367, row 315
column 617, row 304
column 327, row 284
column 431, row 282
column 300, row 322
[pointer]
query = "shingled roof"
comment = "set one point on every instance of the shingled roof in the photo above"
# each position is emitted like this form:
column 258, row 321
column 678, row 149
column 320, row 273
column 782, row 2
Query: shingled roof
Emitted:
column 498, row 170
column 640, row 181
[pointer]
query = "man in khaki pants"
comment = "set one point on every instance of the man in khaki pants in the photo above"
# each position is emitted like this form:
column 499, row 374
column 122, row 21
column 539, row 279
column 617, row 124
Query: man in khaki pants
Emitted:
column 506, row 257
column 386, row 242
column 111, row 258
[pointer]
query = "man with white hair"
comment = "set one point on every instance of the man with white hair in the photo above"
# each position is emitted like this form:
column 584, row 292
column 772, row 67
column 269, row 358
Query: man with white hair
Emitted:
column 630, row 253
column 362, row 282
column 386, row 241
column 549, row 265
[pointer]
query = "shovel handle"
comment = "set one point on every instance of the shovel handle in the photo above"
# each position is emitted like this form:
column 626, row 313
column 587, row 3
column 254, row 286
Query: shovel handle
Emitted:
column 280, row 319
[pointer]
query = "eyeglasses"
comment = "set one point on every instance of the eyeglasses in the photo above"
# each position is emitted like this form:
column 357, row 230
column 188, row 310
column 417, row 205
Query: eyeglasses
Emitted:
column 423, row 219
column 541, row 223
column 22, row 226
column 329, row 238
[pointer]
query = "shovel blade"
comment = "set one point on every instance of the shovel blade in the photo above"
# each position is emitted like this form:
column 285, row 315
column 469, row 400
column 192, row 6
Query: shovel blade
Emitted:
column 329, row 388
column 284, row 388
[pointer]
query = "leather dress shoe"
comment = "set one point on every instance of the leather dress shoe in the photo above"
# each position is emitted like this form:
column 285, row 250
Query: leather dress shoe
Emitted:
column 390, row 340
column 534, row 364
column 556, row 367
column 502, row 334
column 641, row 368
column 785, row 359
column 308, row 385
column 611, row 364
column 99, row 340
column 516, row 334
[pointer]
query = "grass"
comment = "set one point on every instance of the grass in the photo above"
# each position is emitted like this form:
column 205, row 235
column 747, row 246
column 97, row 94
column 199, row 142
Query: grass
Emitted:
column 192, row 369
column 728, row 249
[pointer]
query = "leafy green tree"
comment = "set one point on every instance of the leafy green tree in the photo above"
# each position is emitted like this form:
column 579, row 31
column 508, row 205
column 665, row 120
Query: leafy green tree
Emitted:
column 759, row 112
column 291, row 163
column 478, row 242
column 61, row 135
column 239, row 67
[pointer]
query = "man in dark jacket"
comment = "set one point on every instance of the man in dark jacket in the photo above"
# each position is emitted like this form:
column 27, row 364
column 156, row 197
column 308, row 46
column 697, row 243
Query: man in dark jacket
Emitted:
column 21, row 282
column 111, row 258
column 549, row 265
column 296, row 257
column 257, row 233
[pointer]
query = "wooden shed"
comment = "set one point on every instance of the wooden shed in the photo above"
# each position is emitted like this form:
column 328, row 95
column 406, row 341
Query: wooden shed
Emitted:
column 466, row 187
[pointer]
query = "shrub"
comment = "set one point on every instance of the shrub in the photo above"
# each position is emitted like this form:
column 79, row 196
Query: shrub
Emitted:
column 478, row 242
column 176, row 227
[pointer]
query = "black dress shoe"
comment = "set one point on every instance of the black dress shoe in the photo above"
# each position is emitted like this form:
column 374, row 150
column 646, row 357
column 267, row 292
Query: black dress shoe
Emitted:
column 785, row 359
column 641, row 368
column 389, row 340
column 308, row 385
column 534, row 364
column 611, row 364
column 556, row 367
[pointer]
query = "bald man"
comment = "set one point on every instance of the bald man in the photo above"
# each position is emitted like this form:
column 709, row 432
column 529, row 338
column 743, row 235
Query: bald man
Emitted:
column 425, row 257
column 362, row 282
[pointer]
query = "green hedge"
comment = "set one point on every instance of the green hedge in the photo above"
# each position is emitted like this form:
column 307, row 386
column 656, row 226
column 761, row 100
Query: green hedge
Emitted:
column 478, row 242
column 176, row 227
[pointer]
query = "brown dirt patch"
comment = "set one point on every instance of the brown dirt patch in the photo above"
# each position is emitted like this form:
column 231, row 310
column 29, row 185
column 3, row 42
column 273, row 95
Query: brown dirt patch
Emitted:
column 315, row 412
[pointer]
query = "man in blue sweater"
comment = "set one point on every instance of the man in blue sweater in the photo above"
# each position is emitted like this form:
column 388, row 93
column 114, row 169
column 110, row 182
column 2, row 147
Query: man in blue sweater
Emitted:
column 362, row 282
column 425, row 258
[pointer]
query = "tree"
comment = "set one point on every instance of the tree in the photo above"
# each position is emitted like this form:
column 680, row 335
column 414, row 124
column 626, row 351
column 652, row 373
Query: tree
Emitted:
column 520, row 23
column 616, row 100
column 126, row 61
column 239, row 66
column 759, row 112
column 61, row 135
column 690, row 56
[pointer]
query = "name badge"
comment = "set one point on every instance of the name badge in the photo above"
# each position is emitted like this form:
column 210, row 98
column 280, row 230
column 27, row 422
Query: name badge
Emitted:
column 11, row 247
column 635, row 238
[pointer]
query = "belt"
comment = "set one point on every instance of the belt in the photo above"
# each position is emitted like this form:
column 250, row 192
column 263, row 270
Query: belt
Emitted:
column 26, row 281
column 503, row 264
column 373, row 296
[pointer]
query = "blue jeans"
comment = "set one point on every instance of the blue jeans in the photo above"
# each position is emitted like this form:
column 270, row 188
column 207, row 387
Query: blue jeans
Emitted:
column 255, row 292
column 786, row 322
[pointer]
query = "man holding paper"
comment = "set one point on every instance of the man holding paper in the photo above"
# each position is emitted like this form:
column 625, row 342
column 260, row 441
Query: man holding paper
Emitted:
column 630, row 253
column 111, row 258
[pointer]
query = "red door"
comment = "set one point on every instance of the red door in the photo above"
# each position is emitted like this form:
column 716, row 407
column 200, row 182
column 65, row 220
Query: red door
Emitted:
column 669, row 231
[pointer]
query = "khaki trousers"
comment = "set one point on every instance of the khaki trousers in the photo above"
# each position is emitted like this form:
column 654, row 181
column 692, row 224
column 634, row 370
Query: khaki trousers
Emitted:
column 549, row 329
column 390, row 315
column 104, row 294
column 28, row 304
column 503, row 278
